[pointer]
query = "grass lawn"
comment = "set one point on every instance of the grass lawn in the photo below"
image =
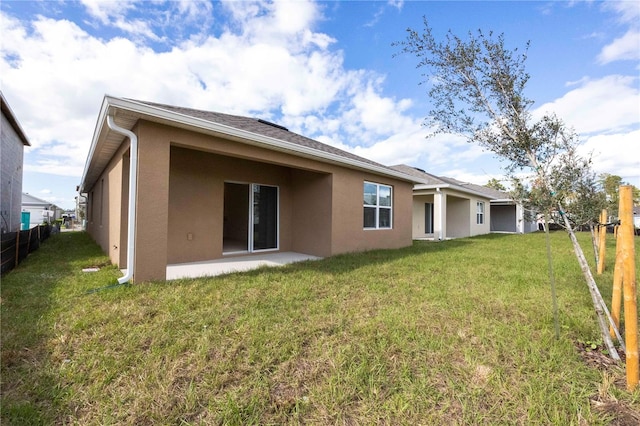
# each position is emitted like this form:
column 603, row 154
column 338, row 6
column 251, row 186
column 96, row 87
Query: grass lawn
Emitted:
column 456, row 332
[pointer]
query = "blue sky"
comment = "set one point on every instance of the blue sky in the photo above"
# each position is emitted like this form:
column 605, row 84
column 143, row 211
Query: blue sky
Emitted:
column 323, row 69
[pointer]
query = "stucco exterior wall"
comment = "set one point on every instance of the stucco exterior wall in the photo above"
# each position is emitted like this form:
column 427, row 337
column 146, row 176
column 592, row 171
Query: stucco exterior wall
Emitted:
column 454, row 214
column 311, row 223
column 348, row 233
column 11, row 172
column 104, row 216
column 485, row 227
column 180, row 200
column 458, row 217
column 418, row 220
column 196, row 205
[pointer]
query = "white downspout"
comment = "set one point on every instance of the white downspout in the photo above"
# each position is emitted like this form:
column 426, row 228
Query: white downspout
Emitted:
column 441, row 208
column 131, row 217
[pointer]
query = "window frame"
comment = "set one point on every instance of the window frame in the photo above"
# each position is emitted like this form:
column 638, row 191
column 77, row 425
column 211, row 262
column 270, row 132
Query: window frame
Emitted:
column 377, row 206
column 480, row 212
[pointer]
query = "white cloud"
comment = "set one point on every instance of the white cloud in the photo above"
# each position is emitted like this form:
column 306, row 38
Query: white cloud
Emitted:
column 105, row 10
column 616, row 154
column 628, row 11
column 273, row 68
column 396, row 3
column 261, row 62
column 603, row 105
column 626, row 47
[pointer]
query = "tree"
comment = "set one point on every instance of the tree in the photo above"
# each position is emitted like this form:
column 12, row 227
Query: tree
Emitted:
column 477, row 89
column 495, row 184
column 610, row 185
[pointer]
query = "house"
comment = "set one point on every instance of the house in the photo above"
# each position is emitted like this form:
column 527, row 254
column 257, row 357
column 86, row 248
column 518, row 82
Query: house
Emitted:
column 448, row 208
column 168, row 185
column 13, row 140
column 444, row 208
column 39, row 210
column 506, row 214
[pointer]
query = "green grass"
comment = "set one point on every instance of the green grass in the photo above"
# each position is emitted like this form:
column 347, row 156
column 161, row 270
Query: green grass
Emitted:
column 457, row 332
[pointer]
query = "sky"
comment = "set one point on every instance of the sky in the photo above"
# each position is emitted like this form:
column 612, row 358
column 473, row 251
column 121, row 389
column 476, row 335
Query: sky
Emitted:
column 326, row 69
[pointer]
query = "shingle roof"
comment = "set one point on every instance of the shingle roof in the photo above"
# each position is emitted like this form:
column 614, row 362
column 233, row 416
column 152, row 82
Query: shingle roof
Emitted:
column 260, row 127
column 493, row 193
column 421, row 175
column 429, row 179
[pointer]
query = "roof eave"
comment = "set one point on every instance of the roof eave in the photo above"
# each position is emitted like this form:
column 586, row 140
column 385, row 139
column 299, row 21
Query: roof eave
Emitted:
column 11, row 117
column 423, row 187
column 109, row 103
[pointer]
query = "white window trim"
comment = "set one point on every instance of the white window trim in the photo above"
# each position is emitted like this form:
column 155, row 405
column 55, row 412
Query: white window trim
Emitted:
column 378, row 207
column 480, row 213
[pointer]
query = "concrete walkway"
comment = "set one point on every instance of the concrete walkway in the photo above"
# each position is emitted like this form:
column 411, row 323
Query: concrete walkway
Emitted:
column 233, row 264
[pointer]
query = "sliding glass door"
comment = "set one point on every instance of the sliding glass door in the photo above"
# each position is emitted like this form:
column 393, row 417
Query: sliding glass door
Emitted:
column 265, row 217
column 251, row 217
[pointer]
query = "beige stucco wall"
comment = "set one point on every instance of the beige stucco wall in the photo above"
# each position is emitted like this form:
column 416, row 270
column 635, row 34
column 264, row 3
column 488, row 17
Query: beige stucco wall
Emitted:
column 180, row 200
column 196, row 207
column 454, row 214
column 348, row 233
column 311, row 224
column 104, row 221
column 485, row 227
column 419, row 216
column 458, row 217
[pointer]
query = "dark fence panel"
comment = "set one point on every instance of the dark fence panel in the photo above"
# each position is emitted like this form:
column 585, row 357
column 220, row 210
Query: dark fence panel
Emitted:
column 8, row 254
column 16, row 246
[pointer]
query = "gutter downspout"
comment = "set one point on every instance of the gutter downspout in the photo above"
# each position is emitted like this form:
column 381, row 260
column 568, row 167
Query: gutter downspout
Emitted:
column 441, row 208
column 133, row 177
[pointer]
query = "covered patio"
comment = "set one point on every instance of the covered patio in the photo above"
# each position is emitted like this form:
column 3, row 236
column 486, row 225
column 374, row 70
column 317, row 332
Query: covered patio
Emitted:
column 234, row 264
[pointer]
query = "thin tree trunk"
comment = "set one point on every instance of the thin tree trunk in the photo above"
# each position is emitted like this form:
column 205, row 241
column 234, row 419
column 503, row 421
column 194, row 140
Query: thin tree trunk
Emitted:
column 598, row 302
column 594, row 241
column 552, row 279
column 602, row 242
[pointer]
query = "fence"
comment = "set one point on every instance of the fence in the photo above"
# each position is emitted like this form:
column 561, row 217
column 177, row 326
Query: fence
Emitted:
column 16, row 246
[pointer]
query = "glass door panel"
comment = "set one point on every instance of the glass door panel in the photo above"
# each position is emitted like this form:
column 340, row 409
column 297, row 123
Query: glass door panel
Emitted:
column 265, row 217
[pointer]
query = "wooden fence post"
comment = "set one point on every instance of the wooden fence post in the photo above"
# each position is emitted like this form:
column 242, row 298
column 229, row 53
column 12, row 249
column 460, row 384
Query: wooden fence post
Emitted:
column 629, row 285
column 616, row 296
column 602, row 241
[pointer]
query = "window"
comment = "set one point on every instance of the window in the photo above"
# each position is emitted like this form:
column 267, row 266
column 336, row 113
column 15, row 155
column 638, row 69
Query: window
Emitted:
column 377, row 206
column 479, row 212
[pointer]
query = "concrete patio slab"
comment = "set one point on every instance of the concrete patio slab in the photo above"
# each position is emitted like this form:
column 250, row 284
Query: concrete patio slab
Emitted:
column 233, row 264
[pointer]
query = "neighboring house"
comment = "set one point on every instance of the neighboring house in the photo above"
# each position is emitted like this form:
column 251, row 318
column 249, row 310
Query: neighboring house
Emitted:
column 13, row 141
column 205, row 185
column 40, row 211
column 445, row 208
column 507, row 215
column 81, row 208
